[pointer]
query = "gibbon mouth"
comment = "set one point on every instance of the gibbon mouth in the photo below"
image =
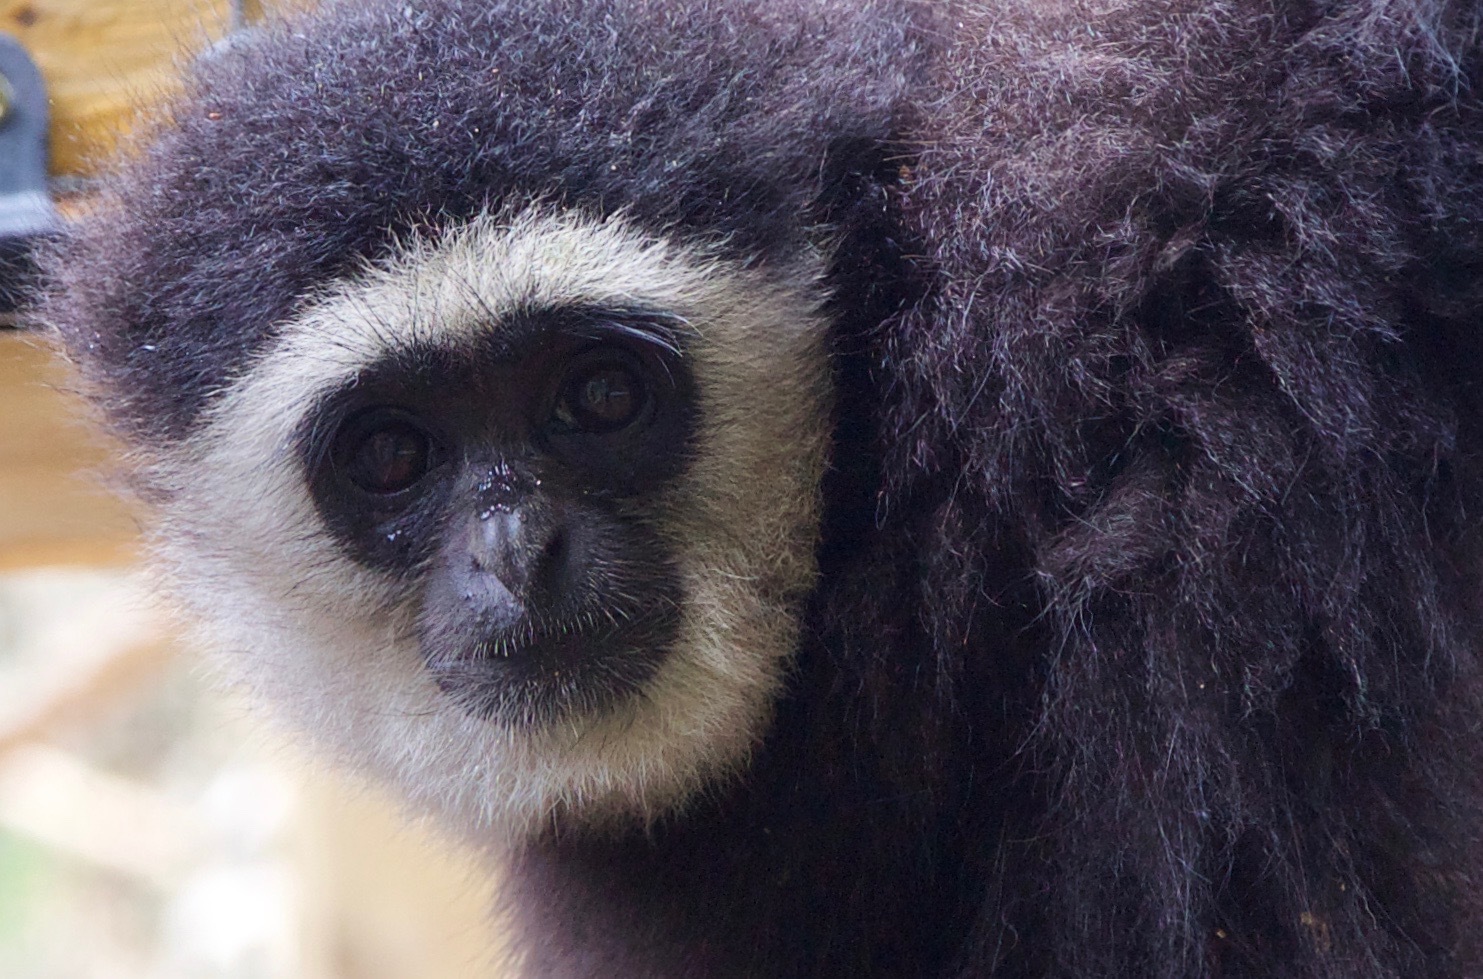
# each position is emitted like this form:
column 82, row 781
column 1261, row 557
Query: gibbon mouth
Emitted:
column 527, row 676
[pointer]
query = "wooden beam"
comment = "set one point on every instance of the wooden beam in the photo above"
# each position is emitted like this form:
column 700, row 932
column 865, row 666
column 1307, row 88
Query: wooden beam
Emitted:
column 54, row 504
column 103, row 59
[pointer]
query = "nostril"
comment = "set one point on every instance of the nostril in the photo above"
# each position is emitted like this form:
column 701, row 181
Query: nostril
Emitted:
column 554, row 553
column 553, row 562
column 552, row 571
column 529, row 549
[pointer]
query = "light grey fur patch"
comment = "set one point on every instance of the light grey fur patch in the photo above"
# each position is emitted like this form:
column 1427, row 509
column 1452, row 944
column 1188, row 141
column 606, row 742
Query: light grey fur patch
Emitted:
column 325, row 640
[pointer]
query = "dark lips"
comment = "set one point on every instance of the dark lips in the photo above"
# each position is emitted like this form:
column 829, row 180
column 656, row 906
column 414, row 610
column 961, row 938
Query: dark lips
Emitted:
column 528, row 676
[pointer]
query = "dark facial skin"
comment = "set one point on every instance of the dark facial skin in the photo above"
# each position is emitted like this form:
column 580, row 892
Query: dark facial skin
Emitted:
column 507, row 485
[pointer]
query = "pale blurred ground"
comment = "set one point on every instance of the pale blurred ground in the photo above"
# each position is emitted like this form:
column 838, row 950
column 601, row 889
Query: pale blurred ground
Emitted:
column 151, row 826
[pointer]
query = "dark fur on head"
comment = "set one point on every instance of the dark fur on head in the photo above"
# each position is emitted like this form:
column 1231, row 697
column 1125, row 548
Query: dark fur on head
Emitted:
column 300, row 153
column 1146, row 639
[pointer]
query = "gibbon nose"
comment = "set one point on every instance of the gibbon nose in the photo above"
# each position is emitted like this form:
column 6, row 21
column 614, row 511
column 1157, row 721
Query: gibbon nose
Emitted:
column 525, row 548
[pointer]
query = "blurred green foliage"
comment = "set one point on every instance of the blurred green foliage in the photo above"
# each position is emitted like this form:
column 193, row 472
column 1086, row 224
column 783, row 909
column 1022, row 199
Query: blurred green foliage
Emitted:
column 25, row 869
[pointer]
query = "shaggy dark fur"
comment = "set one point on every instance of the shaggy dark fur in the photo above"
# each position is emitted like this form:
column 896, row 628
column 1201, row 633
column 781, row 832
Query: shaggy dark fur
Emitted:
column 1146, row 644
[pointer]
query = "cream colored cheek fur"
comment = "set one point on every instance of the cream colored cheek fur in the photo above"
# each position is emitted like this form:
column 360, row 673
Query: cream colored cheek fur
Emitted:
column 325, row 641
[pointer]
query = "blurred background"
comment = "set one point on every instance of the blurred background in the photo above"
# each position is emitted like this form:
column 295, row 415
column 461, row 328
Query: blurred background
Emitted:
column 150, row 824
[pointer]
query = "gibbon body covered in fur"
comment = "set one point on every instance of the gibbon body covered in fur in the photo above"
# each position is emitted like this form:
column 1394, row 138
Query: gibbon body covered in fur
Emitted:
column 844, row 489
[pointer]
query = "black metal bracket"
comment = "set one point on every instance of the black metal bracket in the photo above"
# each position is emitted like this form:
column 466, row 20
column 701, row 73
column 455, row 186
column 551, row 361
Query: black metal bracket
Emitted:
column 26, row 210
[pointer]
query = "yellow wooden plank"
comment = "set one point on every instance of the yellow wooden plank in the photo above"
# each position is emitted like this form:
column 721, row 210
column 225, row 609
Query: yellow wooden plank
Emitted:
column 102, row 59
column 54, row 507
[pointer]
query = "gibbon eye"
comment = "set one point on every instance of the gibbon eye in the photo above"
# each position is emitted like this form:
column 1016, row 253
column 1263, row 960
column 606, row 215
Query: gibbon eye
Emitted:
column 383, row 452
column 601, row 395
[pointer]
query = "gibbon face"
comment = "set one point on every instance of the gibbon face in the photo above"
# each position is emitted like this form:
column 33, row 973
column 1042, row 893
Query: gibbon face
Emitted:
column 521, row 518
column 473, row 358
